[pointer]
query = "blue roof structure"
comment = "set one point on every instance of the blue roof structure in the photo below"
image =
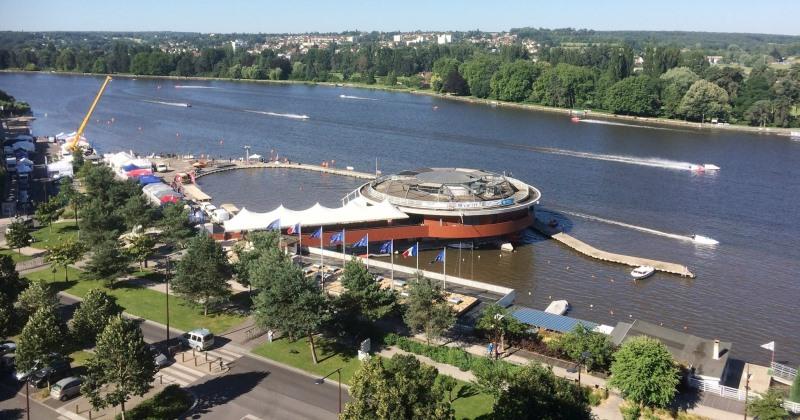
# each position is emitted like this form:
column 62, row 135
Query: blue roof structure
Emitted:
column 548, row 321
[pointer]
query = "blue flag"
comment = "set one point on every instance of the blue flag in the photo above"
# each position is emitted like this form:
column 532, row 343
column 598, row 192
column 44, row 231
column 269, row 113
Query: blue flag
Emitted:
column 317, row 233
column 440, row 257
column 363, row 241
column 275, row 225
column 337, row 237
column 387, row 247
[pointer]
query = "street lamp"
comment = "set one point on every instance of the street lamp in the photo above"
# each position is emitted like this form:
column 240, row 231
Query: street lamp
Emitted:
column 166, row 279
column 338, row 373
column 581, row 362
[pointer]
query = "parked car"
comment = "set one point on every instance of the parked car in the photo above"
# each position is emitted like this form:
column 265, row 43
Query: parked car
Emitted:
column 199, row 339
column 161, row 360
column 7, row 362
column 7, row 346
column 58, row 369
column 66, row 388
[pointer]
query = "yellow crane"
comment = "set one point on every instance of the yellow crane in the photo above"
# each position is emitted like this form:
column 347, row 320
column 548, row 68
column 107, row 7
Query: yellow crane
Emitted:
column 79, row 133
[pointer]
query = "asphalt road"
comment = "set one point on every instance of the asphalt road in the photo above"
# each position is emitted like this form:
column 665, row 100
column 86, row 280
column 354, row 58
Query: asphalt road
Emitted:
column 253, row 389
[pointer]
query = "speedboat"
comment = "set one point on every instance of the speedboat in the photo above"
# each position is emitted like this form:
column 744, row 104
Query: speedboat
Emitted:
column 642, row 272
column 704, row 167
column 704, row 240
column 557, row 307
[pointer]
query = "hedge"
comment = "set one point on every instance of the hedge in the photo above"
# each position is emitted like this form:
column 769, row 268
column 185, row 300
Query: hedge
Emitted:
column 450, row 355
column 170, row 403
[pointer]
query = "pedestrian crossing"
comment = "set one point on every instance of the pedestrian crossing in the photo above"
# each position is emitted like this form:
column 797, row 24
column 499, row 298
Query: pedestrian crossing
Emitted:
column 226, row 355
column 184, row 374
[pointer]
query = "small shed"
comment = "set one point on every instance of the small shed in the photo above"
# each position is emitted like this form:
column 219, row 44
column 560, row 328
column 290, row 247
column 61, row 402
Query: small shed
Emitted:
column 548, row 321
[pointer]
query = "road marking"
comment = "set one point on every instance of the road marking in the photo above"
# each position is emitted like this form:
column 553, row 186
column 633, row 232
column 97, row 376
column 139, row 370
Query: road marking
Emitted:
column 68, row 414
column 228, row 352
column 227, row 356
column 182, row 375
column 250, row 417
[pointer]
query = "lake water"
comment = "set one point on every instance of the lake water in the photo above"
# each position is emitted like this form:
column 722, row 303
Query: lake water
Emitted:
column 592, row 175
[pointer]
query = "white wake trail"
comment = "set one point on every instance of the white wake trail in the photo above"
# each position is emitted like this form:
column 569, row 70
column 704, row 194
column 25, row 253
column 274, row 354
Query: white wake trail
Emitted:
column 276, row 114
column 360, row 98
column 699, row 239
column 193, row 87
column 179, row 104
column 651, row 162
column 591, row 121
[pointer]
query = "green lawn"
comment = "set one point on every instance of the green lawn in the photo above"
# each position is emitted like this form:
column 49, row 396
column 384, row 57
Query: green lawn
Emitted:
column 298, row 354
column 468, row 403
column 15, row 256
column 45, row 237
column 141, row 302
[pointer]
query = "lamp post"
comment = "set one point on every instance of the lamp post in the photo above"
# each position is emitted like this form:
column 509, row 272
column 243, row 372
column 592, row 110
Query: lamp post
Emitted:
column 338, row 373
column 746, row 391
column 578, row 366
column 166, row 279
column 27, row 399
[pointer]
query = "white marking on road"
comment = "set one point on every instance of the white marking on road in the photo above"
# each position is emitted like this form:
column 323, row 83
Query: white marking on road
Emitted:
column 68, row 414
column 250, row 417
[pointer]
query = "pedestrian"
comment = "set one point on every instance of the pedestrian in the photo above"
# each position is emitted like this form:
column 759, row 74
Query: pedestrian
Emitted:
column 490, row 350
column 269, row 335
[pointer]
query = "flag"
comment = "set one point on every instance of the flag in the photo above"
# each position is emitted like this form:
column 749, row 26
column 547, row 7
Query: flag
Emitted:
column 275, row 225
column 363, row 241
column 337, row 237
column 411, row 252
column 439, row 257
column 387, row 248
column 317, row 233
column 293, row 229
column 769, row 346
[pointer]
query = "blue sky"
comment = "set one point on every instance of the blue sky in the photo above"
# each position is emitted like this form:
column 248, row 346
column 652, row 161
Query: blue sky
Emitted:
column 765, row 16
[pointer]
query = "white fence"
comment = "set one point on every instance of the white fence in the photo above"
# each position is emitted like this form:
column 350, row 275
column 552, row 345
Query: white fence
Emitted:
column 736, row 394
column 783, row 372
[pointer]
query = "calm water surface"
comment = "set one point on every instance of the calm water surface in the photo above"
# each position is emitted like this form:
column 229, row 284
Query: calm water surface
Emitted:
column 592, row 175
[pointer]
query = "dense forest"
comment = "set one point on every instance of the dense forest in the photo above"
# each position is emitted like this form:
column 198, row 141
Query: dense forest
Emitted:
column 663, row 74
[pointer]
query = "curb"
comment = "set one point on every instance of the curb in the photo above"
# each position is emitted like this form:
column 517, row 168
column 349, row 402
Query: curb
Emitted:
column 291, row 368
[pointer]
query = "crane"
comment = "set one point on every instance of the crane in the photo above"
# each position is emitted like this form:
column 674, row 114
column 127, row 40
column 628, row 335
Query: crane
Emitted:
column 74, row 143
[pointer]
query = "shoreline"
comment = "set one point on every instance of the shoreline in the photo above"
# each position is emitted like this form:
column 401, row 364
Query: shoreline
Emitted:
column 601, row 115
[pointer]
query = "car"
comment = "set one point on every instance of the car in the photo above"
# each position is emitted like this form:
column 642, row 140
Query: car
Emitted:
column 161, row 360
column 7, row 362
column 57, row 369
column 7, row 346
column 198, row 339
column 66, row 388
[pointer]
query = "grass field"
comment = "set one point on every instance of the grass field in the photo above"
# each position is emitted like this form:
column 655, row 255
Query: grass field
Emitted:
column 140, row 301
column 45, row 237
column 468, row 403
column 15, row 256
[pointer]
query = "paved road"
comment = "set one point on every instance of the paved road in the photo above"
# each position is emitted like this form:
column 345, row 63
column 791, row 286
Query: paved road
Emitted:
column 253, row 387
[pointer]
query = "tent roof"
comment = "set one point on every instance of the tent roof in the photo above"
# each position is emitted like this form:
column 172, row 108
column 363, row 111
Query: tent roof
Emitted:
column 316, row 215
column 549, row 321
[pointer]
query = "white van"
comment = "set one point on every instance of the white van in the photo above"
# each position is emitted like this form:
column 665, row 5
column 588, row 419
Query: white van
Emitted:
column 66, row 388
column 199, row 339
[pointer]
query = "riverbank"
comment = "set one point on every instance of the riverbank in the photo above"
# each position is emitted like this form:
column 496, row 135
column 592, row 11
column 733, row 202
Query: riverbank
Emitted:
column 594, row 114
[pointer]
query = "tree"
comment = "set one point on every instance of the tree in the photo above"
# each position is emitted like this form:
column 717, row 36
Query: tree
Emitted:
column 36, row 296
column 498, row 323
column 633, row 95
column 175, row 226
column 533, row 392
column 400, row 388
column 288, row 301
column 644, row 371
column 18, row 235
column 514, row 81
column 108, row 262
column 10, row 283
column 427, row 310
column 582, row 340
column 69, row 196
column 7, row 323
column 42, row 336
column 248, row 252
column 92, row 316
column 203, row 272
column 760, row 113
column 364, row 293
column 48, row 212
column 768, row 407
column 676, row 82
column 122, row 367
column 704, row 100
column 140, row 248
column 137, row 212
column 564, row 86
column 478, row 72
column 64, row 254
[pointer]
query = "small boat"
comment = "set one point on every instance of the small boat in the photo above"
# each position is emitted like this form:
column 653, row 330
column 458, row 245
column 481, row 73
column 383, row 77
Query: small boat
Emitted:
column 557, row 307
column 642, row 272
column 704, row 167
column 575, row 119
column 704, row 240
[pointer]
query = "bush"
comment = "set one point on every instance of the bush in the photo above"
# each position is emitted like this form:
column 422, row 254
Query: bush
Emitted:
column 596, row 396
column 630, row 411
column 170, row 403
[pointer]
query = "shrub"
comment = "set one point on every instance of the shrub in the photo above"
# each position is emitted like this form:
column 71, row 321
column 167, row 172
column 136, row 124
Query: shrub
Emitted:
column 170, row 403
column 630, row 411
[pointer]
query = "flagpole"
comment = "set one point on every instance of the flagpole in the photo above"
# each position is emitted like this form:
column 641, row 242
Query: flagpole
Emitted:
column 344, row 249
column 368, row 251
column 444, row 268
column 416, row 247
column 321, row 256
column 391, row 253
column 300, row 239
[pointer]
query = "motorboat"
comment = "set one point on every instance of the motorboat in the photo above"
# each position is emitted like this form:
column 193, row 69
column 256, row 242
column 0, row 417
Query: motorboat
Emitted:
column 706, row 167
column 704, row 240
column 642, row 272
column 557, row 307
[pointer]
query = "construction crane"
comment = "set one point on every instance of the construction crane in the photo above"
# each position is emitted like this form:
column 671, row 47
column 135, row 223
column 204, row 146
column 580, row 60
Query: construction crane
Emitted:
column 78, row 134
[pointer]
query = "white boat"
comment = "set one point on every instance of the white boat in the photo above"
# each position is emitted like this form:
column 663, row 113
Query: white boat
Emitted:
column 557, row 307
column 704, row 240
column 704, row 167
column 642, row 272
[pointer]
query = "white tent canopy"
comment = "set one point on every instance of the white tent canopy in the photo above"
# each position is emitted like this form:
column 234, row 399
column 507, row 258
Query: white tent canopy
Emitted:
column 316, row 215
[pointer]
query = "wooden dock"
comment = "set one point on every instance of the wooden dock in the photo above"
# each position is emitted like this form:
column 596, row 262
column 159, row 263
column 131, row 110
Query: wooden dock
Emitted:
column 285, row 165
column 599, row 254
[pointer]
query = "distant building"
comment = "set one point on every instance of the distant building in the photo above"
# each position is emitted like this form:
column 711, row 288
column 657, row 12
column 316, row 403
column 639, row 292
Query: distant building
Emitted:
column 444, row 39
column 714, row 59
column 706, row 360
column 397, row 38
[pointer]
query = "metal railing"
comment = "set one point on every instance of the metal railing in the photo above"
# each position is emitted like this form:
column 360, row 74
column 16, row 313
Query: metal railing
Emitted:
column 447, row 205
column 737, row 394
column 783, row 371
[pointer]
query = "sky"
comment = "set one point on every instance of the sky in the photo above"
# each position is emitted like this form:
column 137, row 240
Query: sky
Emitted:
column 267, row 16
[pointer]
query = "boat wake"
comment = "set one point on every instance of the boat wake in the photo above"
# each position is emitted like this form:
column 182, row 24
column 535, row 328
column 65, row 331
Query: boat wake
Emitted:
column 360, row 98
column 697, row 239
column 193, row 87
column 632, row 160
column 276, row 114
column 179, row 104
column 590, row 121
